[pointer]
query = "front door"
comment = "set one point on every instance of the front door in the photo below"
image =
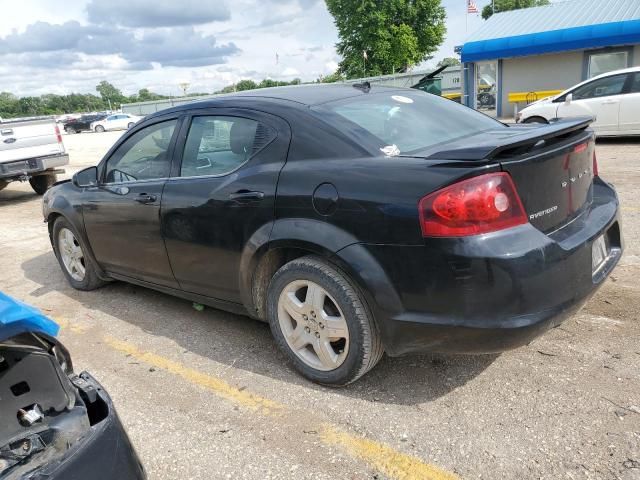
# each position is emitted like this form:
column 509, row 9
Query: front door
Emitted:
column 122, row 215
column 221, row 196
column 600, row 98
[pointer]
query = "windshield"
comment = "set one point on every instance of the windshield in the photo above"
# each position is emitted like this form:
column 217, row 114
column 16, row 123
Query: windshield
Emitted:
column 410, row 120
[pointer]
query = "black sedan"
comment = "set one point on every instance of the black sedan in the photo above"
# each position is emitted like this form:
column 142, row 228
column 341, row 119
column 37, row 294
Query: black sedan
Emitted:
column 356, row 220
column 82, row 124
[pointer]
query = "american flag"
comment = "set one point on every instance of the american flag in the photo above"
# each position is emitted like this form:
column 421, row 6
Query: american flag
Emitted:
column 472, row 7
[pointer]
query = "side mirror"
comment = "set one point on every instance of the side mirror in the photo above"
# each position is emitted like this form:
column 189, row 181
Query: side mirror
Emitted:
column 568, row 99
column 86, row 178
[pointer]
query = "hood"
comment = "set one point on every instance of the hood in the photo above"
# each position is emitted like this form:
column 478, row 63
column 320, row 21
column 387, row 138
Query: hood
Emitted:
column 17, row 317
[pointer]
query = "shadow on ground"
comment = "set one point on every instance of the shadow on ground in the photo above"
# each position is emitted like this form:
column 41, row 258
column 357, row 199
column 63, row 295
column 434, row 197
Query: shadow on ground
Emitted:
column 10, row 195
column 247, row 344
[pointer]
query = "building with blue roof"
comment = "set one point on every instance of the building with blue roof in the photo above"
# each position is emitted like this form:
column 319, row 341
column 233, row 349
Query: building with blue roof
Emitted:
column 522, row 55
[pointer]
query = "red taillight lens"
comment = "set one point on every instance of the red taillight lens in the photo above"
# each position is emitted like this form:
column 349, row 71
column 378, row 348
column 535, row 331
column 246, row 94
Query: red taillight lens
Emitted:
column 478, row 205
column 595, row 164
column 58, row 135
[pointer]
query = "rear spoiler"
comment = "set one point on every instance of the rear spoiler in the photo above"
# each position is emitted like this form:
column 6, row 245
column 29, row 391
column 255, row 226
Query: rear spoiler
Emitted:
column 520, row 139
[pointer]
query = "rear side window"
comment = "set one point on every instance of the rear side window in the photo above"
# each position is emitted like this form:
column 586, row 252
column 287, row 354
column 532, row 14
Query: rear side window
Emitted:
column 218, row 145
column 410, row 121
column 635, row 86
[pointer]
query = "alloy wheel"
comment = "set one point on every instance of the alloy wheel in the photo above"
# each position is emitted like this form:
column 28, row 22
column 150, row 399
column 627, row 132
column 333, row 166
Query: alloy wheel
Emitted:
column 313, row 325
column 71, row 254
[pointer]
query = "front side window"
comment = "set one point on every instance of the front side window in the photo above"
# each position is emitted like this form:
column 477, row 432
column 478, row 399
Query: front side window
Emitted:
column 143, row 156
column 218, row 145
column 600, row 63
column 411, row 121
column 603, row 87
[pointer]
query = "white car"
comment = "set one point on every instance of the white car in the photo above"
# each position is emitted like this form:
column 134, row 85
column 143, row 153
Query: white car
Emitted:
column 117, row 121
column 612, row 98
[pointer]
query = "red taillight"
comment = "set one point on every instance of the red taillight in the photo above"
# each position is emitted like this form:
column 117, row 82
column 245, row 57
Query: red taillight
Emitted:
column 478, row 205
column 58, row 134
column 595, row 164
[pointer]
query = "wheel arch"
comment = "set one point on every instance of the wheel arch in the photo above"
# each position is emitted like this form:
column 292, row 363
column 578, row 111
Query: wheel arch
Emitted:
column 62, row 208
column 297, row 238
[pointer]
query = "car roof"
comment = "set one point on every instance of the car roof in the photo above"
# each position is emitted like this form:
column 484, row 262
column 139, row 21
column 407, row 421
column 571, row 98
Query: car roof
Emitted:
column 295, row 95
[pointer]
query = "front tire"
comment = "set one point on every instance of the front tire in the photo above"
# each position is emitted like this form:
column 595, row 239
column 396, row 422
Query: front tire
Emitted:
column 3, row 184
column 42, row 183
column 70, row 252
column 320, row 321
column 99, row 129
column 130, row 126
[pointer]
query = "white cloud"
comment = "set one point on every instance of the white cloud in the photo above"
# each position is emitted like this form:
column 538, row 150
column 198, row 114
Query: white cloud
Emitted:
column 156, row 43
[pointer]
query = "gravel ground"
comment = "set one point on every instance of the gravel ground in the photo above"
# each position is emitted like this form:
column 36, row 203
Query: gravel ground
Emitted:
column 207, row 395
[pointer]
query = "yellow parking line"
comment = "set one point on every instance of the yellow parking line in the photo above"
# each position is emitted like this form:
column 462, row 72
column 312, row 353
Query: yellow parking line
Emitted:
column 383, row 458
column 392, row 463
column 631, row 209
column 219, row 387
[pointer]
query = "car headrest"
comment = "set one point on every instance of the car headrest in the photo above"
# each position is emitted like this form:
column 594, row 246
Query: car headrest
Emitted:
column 242, row 136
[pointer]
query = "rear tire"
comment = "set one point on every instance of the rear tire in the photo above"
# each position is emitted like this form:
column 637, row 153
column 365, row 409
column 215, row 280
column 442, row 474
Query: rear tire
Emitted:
column 535, row 120
column 99, row 129
column 70, row 131
column 330, row 337
column 130, row 126
column 80, row 271
column 3, row 184
column 42, row 183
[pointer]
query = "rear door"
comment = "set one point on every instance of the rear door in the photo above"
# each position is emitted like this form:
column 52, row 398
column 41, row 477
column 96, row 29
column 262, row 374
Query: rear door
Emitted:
column 221, row 196
column 630, row 108
column 122, row 215
column 600, row 98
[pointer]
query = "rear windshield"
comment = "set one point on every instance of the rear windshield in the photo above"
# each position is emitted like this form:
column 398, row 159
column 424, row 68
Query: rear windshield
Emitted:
column 411, row 121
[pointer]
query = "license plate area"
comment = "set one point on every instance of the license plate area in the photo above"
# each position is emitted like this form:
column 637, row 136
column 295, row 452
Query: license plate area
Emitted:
column 599, row 252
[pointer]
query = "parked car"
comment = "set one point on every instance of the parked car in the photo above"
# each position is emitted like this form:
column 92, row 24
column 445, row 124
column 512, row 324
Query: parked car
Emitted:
column 118, row 121
column 354, row 219
column 83, row 123
column 613, row 99
column 55, row 424
column 31, row 149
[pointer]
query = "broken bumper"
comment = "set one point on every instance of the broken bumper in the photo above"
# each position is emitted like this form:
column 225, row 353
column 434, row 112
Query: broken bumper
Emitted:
column 104, row 453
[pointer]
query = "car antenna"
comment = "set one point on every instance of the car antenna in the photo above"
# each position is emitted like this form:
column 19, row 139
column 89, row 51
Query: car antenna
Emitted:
column 364, row 86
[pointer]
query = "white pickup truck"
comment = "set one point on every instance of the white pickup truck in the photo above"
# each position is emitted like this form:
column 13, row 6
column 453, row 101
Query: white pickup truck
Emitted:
column 31, row 149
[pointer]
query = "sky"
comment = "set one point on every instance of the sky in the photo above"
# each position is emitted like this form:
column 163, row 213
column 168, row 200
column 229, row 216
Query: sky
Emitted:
column 61, row 47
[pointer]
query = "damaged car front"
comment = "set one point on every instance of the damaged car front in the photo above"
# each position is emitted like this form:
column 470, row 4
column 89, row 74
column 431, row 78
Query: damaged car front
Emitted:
column 54, row 424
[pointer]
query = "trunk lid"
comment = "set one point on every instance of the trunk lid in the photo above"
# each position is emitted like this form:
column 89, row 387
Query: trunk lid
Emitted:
column 28, row 138
column 551, row 166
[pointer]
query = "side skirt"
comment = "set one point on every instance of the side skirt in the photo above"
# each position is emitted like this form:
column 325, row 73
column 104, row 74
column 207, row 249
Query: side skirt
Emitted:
column 231, row 307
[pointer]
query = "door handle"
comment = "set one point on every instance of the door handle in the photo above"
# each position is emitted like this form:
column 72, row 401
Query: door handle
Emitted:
column 609, row 102
column 244, row 196
column 145, row 198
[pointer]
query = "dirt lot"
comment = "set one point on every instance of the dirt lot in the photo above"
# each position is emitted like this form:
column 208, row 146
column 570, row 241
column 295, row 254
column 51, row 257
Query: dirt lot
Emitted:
column 206, row 394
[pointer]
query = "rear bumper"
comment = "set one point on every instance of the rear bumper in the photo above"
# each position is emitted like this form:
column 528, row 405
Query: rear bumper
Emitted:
column 487, row 293
column 105, row 453
column 30, row 166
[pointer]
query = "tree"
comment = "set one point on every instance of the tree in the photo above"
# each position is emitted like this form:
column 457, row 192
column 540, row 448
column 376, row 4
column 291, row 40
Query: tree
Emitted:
column 448, row 62
column 506, row 5
column 109, row 93
column 393, row 34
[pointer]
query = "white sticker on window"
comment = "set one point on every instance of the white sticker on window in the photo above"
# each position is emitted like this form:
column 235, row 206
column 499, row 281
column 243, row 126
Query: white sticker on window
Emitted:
column 390, row 150
column 401, row 99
